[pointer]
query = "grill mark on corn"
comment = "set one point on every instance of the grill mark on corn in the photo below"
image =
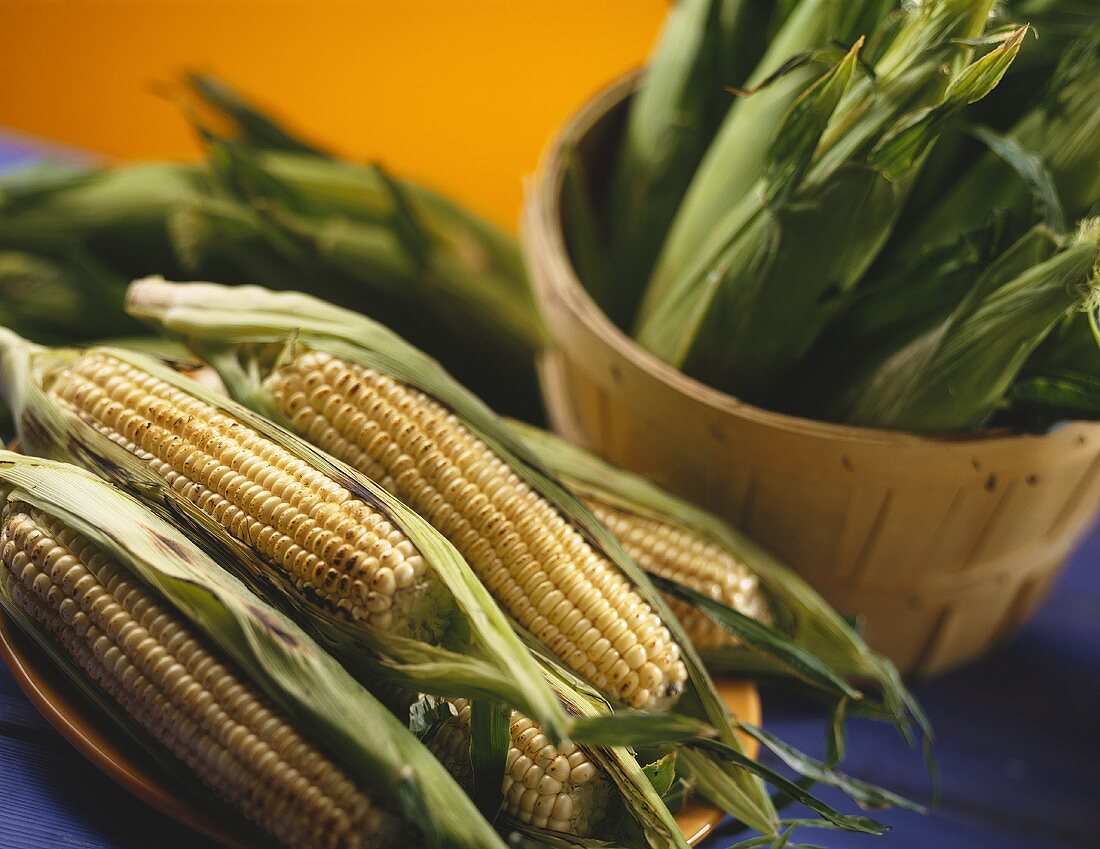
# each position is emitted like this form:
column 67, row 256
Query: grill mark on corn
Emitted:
column 679, row 555
column 548, row 787
column 136, row 649
column 539, row 567
column 335, row 548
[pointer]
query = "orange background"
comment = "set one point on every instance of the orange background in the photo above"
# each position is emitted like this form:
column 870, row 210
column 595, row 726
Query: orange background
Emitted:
column 462, row 94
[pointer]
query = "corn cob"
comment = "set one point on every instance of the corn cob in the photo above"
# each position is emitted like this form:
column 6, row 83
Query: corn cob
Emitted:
column 538, row 566
column 391, row 409
column 179, row 690
column 652, row 525
column 671, row 551
column 333, row 547
column 545, row 786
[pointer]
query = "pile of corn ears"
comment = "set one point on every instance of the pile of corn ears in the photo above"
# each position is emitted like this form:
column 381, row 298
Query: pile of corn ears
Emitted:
column 335, row 527
column 884, row 219
column 267, row 207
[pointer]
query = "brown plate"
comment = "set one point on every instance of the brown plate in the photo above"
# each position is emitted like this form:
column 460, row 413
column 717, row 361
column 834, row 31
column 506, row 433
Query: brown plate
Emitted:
column 124, row 762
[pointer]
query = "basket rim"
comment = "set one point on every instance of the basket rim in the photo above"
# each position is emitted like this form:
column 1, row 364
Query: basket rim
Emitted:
column 543, row 236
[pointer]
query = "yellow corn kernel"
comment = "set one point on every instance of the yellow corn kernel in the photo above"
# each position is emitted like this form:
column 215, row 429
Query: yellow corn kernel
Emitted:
column 334, row 548
column 537, row 565
column 548, row 787
column 672, row 552
column 148, row 661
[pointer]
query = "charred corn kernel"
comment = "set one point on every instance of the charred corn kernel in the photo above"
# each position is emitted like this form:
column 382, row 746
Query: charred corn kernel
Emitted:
column 536, row 564
column 332, row 547
column 677, row 554
column 164, row 676
column 544, row 786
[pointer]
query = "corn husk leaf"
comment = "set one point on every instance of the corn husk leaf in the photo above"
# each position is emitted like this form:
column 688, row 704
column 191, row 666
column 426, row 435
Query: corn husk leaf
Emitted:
column 887, row 316
column 705, row 48
column 810, row 620
column 1061, row 380
column 1058, row 396
column 410, row 259
column 738, row 155
column 830, row 814
column 273, row 652
column 1060, row 136
column 120, row 212
column 758, row 637
column 332, row 187
column 252, row 125
column 904, row 146
column 957, row 374
column 243, row 331
column 869, row 796
column 762, row 291
column 51, row 299
column 584, row 236
column 489, row 743
column 480, row 655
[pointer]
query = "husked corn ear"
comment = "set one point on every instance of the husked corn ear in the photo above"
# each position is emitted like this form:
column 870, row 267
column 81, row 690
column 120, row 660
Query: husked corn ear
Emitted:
column 677, row 554
column 544, row 786
column 331, row 546
column 538, row 566
column 141, row 654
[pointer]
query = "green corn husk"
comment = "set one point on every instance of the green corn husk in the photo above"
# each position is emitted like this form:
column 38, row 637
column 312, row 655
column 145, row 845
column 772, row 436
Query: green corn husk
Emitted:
column 117, row 214
column 479, row 654
column 888, row 316
column 1060, row 135
column 706, row 47
column 55, row 299
column 1058, row 28
column 787, row 257
column 921, row 276
column 267, row 206
column 254, row 126
column 244, row 333
column 1062, row 378
column 798, row 608
column 269, row 649
column 1057, row 396
column 1071, row 346
column 412, row 263
column 738, row 155
column 330, row 203
column 957, row 374
column 330, row 187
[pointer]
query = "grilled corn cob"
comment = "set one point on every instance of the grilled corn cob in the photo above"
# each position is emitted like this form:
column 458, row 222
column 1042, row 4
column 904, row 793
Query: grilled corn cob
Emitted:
column 182, row 693
column 335, row 548
column 545, row 786
column 536, row 564
column 671, row 551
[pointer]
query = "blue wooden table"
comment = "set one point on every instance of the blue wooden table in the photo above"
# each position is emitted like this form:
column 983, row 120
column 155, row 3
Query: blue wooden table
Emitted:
column 1019, row 744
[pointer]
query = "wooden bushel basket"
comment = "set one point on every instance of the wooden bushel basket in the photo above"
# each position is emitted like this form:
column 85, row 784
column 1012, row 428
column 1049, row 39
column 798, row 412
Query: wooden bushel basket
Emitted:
column 943, row 546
